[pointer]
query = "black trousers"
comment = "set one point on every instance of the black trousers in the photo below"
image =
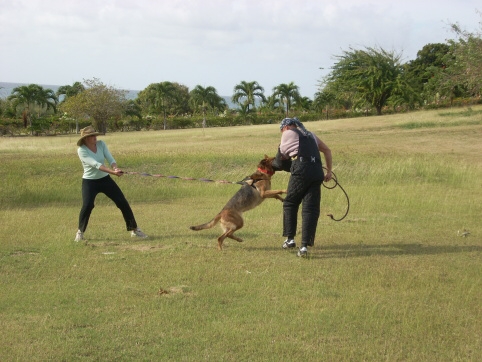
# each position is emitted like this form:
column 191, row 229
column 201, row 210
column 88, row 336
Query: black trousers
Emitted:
column 304, row 187
column 107, row 186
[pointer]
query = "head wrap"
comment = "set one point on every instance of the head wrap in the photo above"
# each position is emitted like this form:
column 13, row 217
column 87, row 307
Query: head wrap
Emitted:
column 294, row 122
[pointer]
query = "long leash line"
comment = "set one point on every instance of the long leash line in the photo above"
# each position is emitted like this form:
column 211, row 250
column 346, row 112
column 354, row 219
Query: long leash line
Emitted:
column 178, row 177
column 334, row 178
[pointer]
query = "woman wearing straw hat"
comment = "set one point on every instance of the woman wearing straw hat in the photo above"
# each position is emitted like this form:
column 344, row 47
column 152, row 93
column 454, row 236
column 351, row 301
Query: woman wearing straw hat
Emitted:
column 96, row 179
column 301, row 149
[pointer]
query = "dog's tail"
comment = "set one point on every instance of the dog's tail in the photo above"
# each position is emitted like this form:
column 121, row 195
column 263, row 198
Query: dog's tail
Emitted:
column 207, row 225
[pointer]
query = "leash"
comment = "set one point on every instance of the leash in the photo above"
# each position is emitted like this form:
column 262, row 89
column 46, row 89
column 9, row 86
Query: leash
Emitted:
column 334, row 178
column 179, row 177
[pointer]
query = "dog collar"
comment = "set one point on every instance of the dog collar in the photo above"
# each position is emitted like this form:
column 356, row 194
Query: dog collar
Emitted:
column 271, row 173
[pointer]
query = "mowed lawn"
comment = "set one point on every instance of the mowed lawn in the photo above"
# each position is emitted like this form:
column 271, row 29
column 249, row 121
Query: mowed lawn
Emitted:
column 399, row 279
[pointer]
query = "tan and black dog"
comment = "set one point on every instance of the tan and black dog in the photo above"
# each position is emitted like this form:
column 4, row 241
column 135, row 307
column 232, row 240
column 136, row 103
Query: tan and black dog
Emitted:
column 255, row 189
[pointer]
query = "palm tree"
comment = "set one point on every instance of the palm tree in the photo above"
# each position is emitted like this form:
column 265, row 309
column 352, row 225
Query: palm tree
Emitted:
column 47, row 98
column 70, row 90
column 245, row 94
column 272, row 103
column 303, row 104
column 324, row 99
column 161, row 94
column 205, row 99
column 287, row 93
column 24, row 95
column 31, row 95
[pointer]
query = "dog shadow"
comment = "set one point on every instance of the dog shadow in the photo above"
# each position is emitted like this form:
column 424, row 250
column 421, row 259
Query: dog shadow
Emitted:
column 367, row 250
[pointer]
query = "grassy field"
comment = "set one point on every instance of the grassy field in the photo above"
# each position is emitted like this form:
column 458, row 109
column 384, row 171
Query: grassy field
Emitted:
column 394, row 281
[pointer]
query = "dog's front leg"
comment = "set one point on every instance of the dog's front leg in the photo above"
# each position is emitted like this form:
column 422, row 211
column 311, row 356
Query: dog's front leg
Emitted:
column 272, row 193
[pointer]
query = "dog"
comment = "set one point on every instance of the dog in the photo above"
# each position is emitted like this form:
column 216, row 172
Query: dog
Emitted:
column 255, row 189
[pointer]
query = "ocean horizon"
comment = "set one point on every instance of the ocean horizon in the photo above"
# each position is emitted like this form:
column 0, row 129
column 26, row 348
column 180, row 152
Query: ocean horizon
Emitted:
column 6, row 89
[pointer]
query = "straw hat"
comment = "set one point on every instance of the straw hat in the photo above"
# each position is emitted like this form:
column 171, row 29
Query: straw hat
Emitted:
column 86, row 132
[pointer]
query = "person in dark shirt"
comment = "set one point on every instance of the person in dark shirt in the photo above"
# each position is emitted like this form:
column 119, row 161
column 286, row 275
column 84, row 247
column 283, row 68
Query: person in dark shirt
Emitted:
column 304, row 187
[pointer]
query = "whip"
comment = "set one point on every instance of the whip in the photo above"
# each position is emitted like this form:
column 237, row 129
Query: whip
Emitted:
column 342, row 189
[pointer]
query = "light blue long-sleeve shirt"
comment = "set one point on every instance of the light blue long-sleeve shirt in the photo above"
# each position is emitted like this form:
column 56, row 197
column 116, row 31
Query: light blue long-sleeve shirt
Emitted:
column 92, row 161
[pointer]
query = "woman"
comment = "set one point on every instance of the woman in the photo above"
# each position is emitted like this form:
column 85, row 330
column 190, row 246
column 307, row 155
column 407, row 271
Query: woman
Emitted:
column 96, row 179
column 304, row 186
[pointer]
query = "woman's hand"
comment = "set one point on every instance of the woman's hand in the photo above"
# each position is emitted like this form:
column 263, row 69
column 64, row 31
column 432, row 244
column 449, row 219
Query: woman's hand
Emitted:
column 118, row 172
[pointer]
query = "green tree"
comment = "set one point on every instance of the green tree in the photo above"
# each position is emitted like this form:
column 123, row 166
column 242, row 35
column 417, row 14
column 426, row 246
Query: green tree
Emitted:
column 133, row 109
column 161, row 96
column 303, row 104
column 70, row 90
column 324, row 100
column 47, row 99
column 28, row 96
column 466, row 70
column 165, row 99
column 445, row 82
column 98, row 103
column 272, row 103
column 368, row 77
column 287, row 94
column 421, row 71
column 431, row 55
column 245, row 94
column 181, row 100
column 206, row 99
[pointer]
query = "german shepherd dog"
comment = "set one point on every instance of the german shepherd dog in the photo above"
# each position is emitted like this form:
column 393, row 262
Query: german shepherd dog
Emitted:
column 255, row 189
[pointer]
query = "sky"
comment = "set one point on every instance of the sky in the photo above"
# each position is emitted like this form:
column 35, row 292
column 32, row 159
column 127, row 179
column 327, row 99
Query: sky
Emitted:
column 130, row 44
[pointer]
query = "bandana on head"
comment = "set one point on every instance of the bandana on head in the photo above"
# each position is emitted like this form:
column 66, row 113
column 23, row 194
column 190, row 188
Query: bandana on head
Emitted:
column 294, row 122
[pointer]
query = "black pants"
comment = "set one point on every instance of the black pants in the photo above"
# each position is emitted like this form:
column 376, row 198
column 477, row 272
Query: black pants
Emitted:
column 107, row 186
column 304, row 187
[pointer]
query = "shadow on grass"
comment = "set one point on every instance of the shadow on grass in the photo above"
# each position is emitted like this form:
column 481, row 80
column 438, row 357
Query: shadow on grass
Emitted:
column 361, row 250
column 352, row 250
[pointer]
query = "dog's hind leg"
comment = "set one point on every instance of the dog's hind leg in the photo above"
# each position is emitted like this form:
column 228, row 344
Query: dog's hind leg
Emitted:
column 230, row 222
column 221, row 239
column 231, row 236
column 228, row 233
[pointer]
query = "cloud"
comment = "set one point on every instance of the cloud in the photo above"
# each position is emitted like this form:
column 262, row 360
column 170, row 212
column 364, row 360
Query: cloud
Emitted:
column 132, row 43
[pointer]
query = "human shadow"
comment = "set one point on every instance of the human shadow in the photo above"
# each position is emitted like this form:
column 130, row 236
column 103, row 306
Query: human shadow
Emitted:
column 359, row 250
column 366, row 250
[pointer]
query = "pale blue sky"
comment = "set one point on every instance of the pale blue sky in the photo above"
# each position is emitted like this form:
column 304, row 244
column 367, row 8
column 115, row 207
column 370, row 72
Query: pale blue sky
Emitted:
column 133, row 43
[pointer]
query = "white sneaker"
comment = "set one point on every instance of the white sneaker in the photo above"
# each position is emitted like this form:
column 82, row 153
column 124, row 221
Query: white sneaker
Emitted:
column 137, row 232
column 79, row 236
column 289, row 243
column 303, row 252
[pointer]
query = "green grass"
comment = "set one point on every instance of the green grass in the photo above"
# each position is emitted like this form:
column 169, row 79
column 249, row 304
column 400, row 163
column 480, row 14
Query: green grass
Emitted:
column 394, row 281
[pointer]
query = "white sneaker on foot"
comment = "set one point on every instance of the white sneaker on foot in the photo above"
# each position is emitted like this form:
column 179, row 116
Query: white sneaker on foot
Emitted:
column 303, row 252
column 289, row 243
column 138, row 232
column 79, row 236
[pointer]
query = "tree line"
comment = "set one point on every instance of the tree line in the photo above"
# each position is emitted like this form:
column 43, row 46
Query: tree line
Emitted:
column 366, row 81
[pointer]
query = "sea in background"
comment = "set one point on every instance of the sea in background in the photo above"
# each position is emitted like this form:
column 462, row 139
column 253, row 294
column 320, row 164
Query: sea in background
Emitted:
column 7, row 88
